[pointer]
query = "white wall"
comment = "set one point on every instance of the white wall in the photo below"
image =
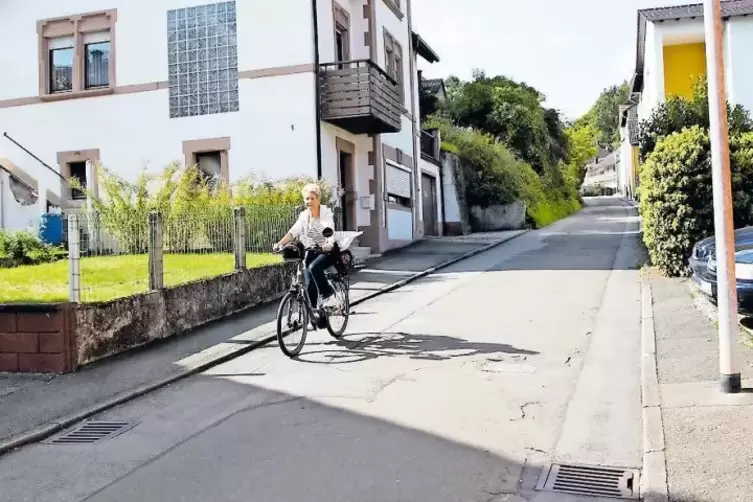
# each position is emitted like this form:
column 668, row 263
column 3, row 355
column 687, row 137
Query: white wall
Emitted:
column 623, row 168
column 399, row 225
column 363, row 171
column 274, row 131
column 739, row 74
column 14, row 216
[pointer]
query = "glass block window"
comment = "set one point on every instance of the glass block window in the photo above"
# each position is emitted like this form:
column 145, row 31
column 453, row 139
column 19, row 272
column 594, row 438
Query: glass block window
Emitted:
column 203, row 60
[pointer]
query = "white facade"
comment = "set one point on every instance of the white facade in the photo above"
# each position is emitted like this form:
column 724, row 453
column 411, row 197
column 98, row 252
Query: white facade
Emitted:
column 737, row 40
column 271, row 131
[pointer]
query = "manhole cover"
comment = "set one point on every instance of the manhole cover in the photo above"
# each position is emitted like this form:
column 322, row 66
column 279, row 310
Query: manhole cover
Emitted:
column 594, row 481
column 93, row 431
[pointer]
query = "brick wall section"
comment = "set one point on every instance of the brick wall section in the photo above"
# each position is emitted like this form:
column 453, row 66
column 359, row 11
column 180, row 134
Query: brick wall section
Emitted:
column 36, row 339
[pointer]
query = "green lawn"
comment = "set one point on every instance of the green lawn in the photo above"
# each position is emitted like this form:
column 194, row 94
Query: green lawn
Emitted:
column 108, row 277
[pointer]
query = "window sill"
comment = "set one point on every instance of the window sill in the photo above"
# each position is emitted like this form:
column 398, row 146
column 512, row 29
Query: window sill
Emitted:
column 91, row 93
column 394, row 8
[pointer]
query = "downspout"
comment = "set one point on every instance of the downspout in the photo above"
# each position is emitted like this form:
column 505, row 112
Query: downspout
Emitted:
column 317, row 89
column 412, row 69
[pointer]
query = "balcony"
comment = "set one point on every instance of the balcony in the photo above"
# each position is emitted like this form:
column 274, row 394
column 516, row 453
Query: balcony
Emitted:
column 360, row 97
column 430, row 145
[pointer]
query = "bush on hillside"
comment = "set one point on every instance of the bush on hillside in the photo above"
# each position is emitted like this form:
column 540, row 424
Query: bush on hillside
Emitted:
column 676, row 201
column 494, row 176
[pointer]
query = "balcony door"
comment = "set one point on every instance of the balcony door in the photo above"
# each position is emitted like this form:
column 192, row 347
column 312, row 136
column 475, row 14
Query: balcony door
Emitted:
column 342, row 34
column 346, row 153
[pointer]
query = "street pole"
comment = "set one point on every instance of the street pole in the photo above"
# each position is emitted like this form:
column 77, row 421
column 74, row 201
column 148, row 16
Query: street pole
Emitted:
column 722, row 188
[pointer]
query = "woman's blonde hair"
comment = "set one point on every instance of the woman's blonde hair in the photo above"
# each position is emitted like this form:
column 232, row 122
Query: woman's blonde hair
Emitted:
column 312, row 188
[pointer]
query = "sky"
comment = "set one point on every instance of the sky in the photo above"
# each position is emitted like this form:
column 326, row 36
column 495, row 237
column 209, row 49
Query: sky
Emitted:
column 570, row 50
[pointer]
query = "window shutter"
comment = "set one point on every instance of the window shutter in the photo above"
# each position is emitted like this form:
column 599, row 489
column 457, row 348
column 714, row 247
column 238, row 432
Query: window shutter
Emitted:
column 398, row 182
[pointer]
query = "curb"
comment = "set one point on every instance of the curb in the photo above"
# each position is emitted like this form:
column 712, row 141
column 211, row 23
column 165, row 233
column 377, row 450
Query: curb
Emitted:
column 654, row 486
column 44, row 431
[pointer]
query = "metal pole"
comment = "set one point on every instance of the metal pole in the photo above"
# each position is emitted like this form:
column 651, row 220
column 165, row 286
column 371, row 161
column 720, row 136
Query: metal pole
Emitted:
column 722, row 190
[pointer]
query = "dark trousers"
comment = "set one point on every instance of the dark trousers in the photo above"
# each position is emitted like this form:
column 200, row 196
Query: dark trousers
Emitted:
column 316, row 281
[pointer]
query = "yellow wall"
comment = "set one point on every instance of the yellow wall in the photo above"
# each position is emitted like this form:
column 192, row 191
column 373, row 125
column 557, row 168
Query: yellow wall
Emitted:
column 682, row 65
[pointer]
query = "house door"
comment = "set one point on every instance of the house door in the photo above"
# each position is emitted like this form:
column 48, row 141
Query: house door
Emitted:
column 348, row 198
column 429, row 201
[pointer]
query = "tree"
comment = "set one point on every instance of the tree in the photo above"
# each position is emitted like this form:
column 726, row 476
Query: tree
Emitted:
column 581, row 147
column 604, row 114
column 512, row 113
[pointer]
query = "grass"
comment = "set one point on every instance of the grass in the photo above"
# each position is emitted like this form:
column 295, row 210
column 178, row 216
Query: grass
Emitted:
column 109, row 277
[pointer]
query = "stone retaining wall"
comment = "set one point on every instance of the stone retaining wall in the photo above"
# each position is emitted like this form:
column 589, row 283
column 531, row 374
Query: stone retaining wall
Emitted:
column 60, row 338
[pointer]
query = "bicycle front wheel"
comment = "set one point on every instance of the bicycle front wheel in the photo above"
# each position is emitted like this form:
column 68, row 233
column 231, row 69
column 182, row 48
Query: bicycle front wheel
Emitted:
column 292, row 324
column 337, row 321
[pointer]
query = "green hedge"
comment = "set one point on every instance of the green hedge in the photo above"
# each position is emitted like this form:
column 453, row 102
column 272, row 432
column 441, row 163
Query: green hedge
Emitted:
column 676, row 201
column 494, row 176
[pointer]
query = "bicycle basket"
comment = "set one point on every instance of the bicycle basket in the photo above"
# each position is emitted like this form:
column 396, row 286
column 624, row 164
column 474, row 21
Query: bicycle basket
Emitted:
column 292, row 253
column 345, row 262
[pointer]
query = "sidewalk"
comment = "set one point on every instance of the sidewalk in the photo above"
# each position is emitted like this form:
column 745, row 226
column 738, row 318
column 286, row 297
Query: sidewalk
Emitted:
column 41, row 404
column 707, row 434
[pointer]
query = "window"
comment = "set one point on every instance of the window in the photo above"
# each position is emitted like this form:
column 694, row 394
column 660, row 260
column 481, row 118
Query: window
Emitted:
column 97, row 63
column 73, row 165
column 210, row 156
column 342, row 33
column 394, row 62
column 61, row 64
column 78, row 57
column 77, row 170
column 398, row 184
column 394, row 6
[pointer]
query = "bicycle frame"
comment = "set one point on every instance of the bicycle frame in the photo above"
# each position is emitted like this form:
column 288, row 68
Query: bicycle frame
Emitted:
column 300, row 287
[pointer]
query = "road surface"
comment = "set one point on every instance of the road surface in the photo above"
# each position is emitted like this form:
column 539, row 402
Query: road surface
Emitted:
column 458, row 387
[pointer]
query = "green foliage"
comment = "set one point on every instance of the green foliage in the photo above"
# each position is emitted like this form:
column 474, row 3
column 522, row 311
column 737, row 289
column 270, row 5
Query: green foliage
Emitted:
column 24, row 248
column 582, row 142
column 677, row 113
column 196, row 212
column 494, row 176
column 676, row 194
column 511, row 113
column 604, row 114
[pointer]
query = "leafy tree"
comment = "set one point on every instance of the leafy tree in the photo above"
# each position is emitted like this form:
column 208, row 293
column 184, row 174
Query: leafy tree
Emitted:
column 604, row 114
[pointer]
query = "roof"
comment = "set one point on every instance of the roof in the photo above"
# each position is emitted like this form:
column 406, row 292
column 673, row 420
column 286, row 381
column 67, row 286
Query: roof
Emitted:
column 433, row 85
column 730, row 8
column 423, row 49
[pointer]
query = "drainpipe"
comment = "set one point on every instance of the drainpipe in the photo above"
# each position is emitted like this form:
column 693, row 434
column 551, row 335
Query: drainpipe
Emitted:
column 317, row 89
column 412, row 66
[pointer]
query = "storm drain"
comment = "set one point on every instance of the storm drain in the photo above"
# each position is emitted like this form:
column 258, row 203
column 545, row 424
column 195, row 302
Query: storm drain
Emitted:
column 594, row 481
column 93, row 431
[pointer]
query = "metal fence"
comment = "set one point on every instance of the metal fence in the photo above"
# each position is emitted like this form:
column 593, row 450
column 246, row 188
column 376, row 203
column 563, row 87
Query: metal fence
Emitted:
column 114, row 257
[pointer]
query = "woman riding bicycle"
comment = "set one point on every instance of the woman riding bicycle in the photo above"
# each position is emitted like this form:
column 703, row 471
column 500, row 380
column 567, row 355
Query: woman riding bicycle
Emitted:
column 308, row 230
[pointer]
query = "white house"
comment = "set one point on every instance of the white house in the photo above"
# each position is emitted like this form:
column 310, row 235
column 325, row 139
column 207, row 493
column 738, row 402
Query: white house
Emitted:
column 671, row 55
column 322, row 88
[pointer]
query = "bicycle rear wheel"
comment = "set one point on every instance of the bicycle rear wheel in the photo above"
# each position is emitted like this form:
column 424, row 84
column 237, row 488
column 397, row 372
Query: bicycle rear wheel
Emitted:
column 292, row 324
column 337, row 322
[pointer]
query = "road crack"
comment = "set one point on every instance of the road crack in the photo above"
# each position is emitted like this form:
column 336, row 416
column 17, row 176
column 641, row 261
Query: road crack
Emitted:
column 523, row 407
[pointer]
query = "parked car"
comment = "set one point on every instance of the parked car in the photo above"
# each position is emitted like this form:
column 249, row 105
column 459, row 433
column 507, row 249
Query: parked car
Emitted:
column 703, row 249
column 743, row 280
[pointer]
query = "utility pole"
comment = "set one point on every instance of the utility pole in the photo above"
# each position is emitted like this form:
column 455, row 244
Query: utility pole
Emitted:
column 729, row 368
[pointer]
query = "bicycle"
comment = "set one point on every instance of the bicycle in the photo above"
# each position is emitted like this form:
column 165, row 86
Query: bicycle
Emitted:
column 297, row 303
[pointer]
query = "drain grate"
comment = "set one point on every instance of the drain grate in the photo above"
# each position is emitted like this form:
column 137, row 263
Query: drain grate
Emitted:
column 594, row 481
column 93, row 431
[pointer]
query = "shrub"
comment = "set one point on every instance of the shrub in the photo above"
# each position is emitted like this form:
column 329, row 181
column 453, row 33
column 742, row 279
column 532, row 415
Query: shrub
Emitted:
column 494, row 176
column 24, row 248
column 676, row 201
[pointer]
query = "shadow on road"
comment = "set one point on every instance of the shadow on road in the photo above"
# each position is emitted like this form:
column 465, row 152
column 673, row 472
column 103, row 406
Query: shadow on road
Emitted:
column 426, row 347
column 276, row 447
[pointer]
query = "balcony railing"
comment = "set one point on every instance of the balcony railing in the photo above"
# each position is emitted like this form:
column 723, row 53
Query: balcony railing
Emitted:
column 360, row 97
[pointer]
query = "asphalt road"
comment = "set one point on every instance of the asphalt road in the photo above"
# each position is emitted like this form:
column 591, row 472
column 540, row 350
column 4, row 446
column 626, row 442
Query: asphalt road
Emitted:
column 458, row 387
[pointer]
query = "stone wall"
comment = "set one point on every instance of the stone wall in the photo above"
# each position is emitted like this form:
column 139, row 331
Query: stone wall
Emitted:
column 109, row 328
column 37, row 339
column 508, row 217
column 60, row 338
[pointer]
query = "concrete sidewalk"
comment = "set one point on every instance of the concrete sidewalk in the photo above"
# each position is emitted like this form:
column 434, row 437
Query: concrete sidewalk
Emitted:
column 36, row 405
column 706, row 434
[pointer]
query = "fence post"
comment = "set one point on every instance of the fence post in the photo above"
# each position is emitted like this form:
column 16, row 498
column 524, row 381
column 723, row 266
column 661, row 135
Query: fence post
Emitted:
column 154, row 246
column 74, row 259
column 239, row 237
